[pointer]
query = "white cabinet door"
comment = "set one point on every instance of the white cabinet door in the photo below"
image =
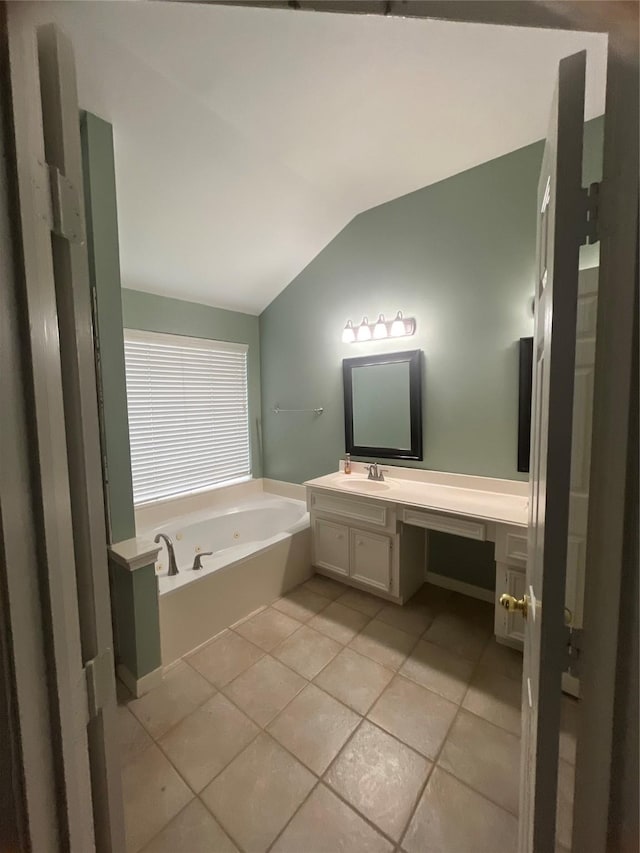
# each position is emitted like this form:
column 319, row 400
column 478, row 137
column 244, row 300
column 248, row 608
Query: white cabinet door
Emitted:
column 510, row 626
column 331, row 546
column 371, row 559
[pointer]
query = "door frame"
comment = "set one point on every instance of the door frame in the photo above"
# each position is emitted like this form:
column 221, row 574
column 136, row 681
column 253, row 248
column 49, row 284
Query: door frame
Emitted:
column 614, row 356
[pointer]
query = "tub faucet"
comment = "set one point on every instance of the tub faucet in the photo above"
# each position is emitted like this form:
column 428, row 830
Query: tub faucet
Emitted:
column 173, row 568
column 197, row 563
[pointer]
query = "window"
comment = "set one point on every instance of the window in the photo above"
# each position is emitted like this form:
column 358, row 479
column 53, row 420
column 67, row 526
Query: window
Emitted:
column 188, row 421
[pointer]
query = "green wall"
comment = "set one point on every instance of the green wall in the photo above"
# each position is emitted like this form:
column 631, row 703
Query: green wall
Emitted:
column 104, row 270
column 459, row 257
column 153, row 313
column 134, row 599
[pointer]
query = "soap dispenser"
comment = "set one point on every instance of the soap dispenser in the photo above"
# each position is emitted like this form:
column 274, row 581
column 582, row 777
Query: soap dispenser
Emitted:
column 347, row 463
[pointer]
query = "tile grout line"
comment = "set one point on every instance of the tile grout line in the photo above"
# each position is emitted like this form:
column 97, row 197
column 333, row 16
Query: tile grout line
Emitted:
column 442, row 746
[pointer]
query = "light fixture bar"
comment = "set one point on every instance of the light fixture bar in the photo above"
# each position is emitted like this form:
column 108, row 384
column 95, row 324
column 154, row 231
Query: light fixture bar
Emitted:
column 400, row 327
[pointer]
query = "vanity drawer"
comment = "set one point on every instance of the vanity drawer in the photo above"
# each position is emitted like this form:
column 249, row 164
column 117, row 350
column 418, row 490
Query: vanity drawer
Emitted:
column 445, row 523
column 331, row 546
column 374, row 513
column 511, row 545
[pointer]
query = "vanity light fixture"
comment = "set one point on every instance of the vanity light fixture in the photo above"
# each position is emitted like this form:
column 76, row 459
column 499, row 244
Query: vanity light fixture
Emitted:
column 364, row 330
column 380, row 329
column 348, row 333
column 400, row 327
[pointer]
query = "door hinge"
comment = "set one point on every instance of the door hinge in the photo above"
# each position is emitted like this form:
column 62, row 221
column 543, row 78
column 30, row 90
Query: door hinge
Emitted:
column 99, row 672
column 65, row 207
column 591, row 196
column 573, row 651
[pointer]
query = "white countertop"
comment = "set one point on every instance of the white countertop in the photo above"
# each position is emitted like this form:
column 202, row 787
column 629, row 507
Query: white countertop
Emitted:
column 501, row 501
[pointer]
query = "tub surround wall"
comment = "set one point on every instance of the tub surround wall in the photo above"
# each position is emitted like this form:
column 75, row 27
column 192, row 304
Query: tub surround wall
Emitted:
column 196, row 612
column 134, row 600
column 152, row 313
column 459, row 256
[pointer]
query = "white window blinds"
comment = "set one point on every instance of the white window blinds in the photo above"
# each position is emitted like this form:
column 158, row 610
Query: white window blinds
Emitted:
column 188, row 420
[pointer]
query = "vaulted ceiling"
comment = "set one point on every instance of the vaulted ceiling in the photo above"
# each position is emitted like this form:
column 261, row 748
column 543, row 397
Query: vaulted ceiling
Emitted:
column 246, row 139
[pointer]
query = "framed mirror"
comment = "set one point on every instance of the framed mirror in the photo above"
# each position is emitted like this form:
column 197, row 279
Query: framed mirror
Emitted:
column 383, row 405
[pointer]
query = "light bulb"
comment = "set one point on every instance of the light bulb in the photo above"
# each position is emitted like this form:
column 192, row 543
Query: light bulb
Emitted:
column 348, row 333
column 398, row 328
column 364, row 330
column 380, row 328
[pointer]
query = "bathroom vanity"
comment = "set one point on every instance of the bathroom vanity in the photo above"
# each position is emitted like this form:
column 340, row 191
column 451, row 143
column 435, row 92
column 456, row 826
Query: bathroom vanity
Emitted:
column 372, row 535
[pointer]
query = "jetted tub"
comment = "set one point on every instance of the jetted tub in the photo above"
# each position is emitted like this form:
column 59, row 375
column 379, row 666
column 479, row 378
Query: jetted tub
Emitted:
column 261, row 549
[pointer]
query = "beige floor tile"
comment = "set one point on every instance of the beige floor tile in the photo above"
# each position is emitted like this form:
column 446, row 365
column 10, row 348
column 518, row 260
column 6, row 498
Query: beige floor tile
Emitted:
column 414, row 714
column 194, row 830
column 485, row 757
column 324, row 824
column 496, row 698
column 206, row 741
column 458, row 634
column 502, row 659
column 451, row 818
column 301, row 604
column 368, row 604
column 354, row 679
column 564, row 817
column 307, row 651
column 569, row 711
column 380, row 777
column 181, row 692
column 439, row 670
column 153, row 793
column 325, row 586
column 480, row 613
column 133, row 736
column 412, row 617
column 225, row 658
column 339, row 622
column 264, row 689
column 314, row 727
column 435, row 597
column 384, row 643
column 267, row 628
column 255, row 796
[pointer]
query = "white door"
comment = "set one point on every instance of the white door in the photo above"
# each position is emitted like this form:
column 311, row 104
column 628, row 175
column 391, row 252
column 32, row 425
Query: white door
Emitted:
column 561, row 226
column 65, row 433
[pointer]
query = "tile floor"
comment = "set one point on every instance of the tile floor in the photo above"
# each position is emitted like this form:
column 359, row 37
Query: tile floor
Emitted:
column 333, row 721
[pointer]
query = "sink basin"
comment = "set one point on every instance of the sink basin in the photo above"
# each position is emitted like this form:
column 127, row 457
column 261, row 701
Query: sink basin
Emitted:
column 362, row 485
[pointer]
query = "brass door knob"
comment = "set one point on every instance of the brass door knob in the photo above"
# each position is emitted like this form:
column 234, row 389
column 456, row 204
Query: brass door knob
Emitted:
column 514, row 605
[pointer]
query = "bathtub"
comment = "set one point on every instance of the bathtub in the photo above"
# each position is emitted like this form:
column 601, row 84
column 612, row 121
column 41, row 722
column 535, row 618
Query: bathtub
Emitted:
column 261, row 549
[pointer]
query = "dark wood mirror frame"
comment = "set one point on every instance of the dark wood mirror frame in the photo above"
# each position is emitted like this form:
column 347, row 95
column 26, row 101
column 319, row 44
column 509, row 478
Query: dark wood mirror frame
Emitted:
column 413, row 358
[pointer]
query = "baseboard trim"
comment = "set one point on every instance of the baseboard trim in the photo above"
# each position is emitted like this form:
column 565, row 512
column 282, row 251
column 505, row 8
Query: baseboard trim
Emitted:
column 139, row 686
column 460, row 586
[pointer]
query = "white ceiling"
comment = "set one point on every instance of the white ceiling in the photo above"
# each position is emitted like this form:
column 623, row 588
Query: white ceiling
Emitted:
column 246, row 139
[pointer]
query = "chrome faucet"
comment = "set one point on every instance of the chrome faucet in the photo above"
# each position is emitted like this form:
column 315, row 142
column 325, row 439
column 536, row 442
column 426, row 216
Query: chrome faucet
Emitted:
column 173, row 567
column 375, row 473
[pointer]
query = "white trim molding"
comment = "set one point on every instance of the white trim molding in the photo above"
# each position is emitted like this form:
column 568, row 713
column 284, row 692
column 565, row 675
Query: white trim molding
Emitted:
column 134, row 553
column 469, row 589
column 139, row 686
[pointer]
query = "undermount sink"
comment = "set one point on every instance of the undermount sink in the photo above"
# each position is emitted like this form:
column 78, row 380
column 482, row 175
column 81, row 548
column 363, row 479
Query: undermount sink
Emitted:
column 363, row 485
